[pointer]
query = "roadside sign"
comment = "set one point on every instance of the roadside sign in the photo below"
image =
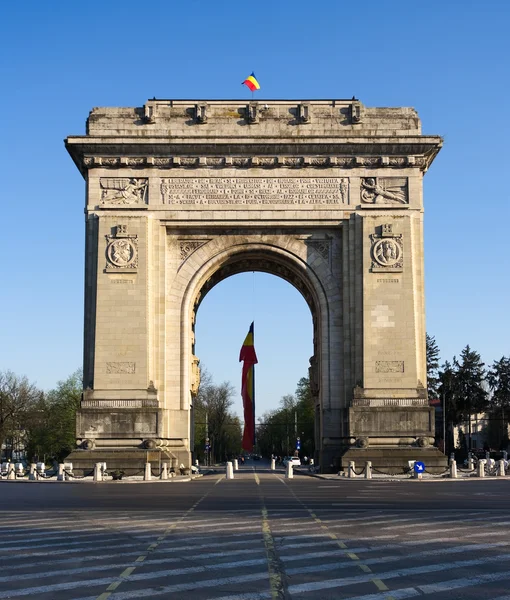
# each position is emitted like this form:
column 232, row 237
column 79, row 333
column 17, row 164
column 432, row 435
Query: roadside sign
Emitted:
column 419, row 467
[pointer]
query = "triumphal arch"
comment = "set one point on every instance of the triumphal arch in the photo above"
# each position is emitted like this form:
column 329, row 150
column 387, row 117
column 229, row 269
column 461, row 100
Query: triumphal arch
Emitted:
column 326, row 194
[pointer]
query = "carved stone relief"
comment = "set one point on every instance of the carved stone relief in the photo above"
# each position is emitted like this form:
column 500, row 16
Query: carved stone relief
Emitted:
column 120, row 368
column 387, row 251
column 384, row 190
column 120, row 191
column 389, row 366
column 121, row 251
column 195, row 375
column 187, row 247
column 322, row 247
column 313, row 375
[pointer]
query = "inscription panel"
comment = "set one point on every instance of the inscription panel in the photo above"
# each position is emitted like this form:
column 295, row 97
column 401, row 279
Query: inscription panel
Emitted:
column 254, row 190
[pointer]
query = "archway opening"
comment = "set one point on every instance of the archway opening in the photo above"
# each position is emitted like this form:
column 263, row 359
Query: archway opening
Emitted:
column 284, row 342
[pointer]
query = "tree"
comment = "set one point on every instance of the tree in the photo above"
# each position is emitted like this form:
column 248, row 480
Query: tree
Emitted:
column 52, row 425
column 18, row 398
column 432, row 352
column 212, row 405
column 277, row 430
column 498, row 378
column 472, row 395
column 448, row 392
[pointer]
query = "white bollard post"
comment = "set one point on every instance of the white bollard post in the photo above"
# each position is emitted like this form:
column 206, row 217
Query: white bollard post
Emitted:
column 352, row 466
column 164, row 471
column 471, row 463
column 236, row 464
column 368, row 470
column 273, row 464
column 289, row 473
column 32, row 475
column 11, row 473
column 453, row 469
column 147, row 476
column 98, row 472
column 230, row 471
column 481, row 468
column 501, row 468
column 61, row 475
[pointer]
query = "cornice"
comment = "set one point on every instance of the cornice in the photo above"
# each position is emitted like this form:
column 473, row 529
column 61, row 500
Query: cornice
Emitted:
column 415, row 151
column 259, row 162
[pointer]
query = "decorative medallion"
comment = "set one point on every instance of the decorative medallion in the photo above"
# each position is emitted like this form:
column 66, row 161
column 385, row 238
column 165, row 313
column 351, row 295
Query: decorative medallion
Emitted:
column 121, row 251
column 384, row 190
column 387, row 250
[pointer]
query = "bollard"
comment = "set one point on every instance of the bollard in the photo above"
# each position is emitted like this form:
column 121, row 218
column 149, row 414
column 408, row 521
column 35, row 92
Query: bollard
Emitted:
column 481, row 468
column 230, row 471
column 164, row 471
column 453, row 470
column 236, row 464
column 352, row 466
column 273, row 464
column 471, row 463
column 501, row 468
column 289, row 472
column 147, row 476
column 11, row 473
column 61, row 475
column 98, row 472
column 32, row 475
column 368, row 470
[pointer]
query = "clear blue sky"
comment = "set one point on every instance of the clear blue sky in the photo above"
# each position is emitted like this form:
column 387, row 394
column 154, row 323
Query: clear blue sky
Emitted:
column 449, row 60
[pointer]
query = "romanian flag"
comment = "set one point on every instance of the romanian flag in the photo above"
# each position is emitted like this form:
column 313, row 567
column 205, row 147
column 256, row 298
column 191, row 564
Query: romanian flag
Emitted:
column 249, row 357
column 252, row 83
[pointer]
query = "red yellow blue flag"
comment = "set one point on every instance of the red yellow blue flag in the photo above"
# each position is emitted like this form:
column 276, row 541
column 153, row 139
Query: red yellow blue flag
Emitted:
column 251, row 83
column 249, row 358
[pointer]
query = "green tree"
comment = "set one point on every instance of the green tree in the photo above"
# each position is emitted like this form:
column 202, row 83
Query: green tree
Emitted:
column 432, row 352
column 52, row 425
column 277, row 430
column 448, row 392
column 498, row 378
column 472, row 395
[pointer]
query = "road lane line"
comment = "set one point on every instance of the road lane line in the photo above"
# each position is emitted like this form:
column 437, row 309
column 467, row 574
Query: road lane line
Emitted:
column 277, row 579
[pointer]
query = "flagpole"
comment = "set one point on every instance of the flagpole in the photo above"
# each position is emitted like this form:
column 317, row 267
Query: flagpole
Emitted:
column 253, row 387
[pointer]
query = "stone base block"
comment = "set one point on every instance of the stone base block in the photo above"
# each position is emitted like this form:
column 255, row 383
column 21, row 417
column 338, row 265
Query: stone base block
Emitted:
column 395, row 460
column 131, row 461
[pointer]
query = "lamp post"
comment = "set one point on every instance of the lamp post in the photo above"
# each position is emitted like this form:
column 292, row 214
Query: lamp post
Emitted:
column 444, row 422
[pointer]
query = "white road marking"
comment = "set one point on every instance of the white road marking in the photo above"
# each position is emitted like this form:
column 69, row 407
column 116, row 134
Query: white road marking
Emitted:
column 343, row 582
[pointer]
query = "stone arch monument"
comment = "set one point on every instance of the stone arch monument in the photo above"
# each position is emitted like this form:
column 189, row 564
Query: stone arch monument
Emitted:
column 325, row 194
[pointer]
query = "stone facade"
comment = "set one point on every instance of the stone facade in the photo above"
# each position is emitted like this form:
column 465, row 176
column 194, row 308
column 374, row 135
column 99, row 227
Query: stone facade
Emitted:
column 325, row 194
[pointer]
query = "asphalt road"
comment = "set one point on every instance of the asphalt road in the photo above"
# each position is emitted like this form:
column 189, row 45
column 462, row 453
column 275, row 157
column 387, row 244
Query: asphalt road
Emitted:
column 259, row 536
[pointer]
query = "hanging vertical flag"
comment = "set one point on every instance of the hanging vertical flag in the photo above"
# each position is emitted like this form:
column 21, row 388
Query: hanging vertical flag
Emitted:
column 249, row 357
column 251, row 83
